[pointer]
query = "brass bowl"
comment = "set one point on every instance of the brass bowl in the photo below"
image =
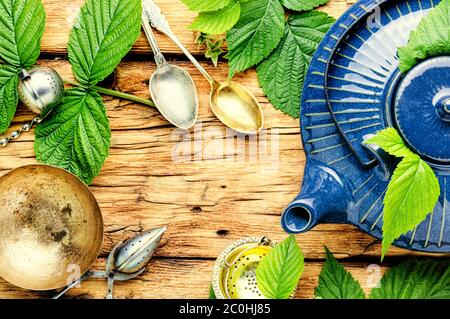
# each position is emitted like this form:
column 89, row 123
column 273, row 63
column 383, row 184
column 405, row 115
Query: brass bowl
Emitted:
column 51, row 227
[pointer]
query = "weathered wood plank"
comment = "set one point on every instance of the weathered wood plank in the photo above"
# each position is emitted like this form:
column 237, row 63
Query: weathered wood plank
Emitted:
column 205, row 198
column 60, row 18
column 208, row 197
column 188, row 279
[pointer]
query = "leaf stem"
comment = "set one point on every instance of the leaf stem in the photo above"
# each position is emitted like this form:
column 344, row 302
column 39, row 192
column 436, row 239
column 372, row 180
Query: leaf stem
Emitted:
column 114, row 93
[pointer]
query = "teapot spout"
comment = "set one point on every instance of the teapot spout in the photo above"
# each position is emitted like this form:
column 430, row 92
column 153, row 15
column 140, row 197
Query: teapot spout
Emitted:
column 323, row 193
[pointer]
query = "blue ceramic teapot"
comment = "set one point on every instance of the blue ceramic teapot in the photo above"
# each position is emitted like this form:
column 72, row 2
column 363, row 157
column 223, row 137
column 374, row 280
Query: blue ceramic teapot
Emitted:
column 354, row 89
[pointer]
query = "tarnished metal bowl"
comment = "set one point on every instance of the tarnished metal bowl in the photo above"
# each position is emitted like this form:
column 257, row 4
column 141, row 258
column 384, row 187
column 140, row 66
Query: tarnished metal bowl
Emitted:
column 51, row 227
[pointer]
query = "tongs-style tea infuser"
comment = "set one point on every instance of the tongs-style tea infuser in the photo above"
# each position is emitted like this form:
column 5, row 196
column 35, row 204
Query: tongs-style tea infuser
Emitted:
column 126, row 261
column 40, row 89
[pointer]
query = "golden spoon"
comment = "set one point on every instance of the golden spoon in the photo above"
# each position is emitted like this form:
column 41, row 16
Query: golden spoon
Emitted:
column 233, row 104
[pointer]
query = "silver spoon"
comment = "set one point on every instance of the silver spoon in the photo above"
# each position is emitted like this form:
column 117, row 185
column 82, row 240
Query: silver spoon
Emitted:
column 172, row 89
column 233, row 104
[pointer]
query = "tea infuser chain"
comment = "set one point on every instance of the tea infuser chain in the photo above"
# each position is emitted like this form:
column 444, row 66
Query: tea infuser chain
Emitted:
column 16, row 134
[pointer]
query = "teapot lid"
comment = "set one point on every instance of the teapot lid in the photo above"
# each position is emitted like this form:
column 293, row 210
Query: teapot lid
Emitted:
column 422, row 109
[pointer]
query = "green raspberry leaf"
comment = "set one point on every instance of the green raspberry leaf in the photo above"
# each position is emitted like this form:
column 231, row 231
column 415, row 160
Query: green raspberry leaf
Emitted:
column 102, row 35
column 431, row 38
column 411, row 195
column 391, row 142
column 76, row 136
column 22, row 25
column 217, row 22
column 302, row 5
column 9, row 80
column 337, row 283
column 282, row 74
column 412, row 192
column 280, row 270
column 205, row 5
column 416, row 279
column 257, row 33
column 212, row 295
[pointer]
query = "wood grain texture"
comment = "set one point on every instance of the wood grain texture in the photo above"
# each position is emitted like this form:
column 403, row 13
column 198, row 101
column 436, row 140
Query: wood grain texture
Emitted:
column 188, row 279
column 207, row 199
column 208, row 186
column 61, row 15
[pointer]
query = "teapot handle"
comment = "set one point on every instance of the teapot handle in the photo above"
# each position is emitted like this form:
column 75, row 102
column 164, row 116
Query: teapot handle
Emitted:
column 386, row 163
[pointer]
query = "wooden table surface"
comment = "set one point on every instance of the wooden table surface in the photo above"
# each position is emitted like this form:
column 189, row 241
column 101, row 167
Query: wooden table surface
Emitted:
column 207, row 191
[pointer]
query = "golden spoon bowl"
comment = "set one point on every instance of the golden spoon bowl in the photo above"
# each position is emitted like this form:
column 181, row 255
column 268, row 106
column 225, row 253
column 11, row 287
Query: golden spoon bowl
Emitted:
column 236, row 107
column 51, row 227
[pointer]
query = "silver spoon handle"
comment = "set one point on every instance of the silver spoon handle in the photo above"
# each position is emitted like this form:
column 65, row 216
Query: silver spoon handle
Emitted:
column 157, row 20
column 159, row 57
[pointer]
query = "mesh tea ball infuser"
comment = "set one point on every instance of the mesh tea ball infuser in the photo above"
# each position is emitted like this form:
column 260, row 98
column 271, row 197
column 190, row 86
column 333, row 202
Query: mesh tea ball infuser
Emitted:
column 40, row 89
